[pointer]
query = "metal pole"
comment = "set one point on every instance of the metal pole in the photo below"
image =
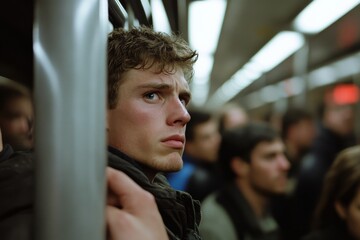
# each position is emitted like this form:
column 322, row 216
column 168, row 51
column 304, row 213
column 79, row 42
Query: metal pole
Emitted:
column 301, row 62
column 70, row 90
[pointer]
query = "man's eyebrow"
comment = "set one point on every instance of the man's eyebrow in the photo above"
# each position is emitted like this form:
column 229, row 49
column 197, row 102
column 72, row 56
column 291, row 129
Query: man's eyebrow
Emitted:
column 156, row 86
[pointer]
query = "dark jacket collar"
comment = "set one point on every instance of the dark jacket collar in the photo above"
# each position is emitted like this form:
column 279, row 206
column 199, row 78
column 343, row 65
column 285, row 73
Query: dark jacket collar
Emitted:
column 180, row 213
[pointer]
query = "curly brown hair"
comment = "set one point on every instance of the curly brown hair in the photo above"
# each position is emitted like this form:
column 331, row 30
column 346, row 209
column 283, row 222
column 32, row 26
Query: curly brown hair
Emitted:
column 143, row 48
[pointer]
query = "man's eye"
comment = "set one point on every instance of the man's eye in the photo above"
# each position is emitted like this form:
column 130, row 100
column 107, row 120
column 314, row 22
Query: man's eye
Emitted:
column 184, row 102
column 152, row 95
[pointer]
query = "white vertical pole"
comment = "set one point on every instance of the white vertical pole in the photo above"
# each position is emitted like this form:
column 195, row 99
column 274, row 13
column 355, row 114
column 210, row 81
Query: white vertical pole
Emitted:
column 70, row 90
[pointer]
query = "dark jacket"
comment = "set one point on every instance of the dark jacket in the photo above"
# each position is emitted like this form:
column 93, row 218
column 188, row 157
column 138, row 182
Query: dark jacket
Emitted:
column 228, row 215
column 16, row 195
column 330, row 233
column 180, row 213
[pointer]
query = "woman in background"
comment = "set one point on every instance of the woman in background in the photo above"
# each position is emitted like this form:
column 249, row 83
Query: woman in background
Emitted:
column 338, row 213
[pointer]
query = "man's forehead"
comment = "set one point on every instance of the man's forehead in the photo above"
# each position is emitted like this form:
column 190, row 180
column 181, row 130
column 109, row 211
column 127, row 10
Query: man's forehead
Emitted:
column 148, row 77
column 268, row 145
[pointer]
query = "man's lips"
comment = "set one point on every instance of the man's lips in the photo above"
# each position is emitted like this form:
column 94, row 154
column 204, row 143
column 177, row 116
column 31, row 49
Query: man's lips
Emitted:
column 174, row 141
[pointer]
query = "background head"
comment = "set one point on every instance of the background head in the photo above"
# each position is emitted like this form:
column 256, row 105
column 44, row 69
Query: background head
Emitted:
column 254, row 153
column 16, row 115
column 298, row 126
column 143, row 48
column 340, row 198
column 337, row 111
column 232, row 115
column 202, row 136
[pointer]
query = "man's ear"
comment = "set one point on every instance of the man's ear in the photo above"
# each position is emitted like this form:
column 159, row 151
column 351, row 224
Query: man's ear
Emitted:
column 340, row 210
column 239, row 166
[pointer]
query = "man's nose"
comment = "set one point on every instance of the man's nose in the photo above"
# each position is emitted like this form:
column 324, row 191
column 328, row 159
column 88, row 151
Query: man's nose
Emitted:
column 284, row 163
column 178, row 114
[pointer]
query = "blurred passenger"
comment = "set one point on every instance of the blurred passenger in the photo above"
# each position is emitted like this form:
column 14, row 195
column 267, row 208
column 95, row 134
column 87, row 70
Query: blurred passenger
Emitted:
column 232, row 115
column 255, row 169
column 199, row 173
column 335, row 133
column 338, row 212
column 298, row 133
column 16, row 115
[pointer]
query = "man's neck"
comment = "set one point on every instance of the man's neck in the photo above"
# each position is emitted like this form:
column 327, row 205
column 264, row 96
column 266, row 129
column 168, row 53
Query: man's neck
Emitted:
column 256, row 200
column 150, row 173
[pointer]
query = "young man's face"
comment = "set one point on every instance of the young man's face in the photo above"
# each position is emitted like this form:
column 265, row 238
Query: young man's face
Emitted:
column 268, row 168
column 148, row 123
column 16, row 123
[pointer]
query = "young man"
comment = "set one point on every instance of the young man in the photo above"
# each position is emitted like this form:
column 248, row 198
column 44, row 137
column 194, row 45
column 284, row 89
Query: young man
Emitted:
column 148, row 91
column 198, row 176
column 255, row 167
column 16, row 115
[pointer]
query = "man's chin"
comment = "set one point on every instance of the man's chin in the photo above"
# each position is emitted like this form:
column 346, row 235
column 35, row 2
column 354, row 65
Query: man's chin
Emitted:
column 173, row 165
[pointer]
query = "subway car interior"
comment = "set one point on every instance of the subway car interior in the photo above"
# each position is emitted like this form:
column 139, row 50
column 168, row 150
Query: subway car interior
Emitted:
column 228, row 35
column 266, row 56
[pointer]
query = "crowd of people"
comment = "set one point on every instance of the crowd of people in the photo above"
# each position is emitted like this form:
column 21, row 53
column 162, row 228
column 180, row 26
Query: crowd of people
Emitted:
column 196, row 175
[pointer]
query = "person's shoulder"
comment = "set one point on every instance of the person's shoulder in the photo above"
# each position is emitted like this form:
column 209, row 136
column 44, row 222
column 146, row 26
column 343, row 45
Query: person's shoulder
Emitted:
column 215, row 222
column 6, row 152
column 16, row 191
column 17, row 162
column 211, row 208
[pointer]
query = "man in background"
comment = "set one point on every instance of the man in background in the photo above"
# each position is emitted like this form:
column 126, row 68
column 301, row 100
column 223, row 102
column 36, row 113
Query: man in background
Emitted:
column 298, row 133
column 199, row 175
column 255, row 170
column 232, row 115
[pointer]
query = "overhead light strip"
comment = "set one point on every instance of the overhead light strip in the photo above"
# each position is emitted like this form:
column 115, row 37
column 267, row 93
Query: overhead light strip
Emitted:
column 204, row 32
column 320, row 14
column 160, row 19
column 274, row 52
